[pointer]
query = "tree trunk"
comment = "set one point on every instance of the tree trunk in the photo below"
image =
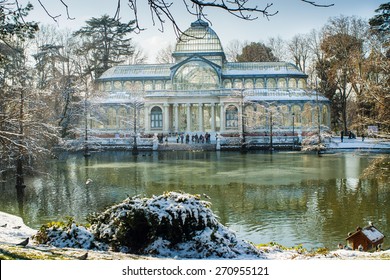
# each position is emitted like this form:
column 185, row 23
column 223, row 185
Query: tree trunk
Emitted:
column 19, row 173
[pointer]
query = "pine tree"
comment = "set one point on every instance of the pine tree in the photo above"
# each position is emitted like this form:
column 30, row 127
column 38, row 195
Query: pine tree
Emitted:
column 106, row 43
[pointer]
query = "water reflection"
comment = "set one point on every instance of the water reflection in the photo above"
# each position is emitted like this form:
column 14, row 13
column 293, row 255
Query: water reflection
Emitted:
column 288, row 198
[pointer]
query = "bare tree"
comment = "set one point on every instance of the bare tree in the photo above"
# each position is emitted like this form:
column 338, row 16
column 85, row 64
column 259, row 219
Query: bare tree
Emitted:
column 278, row 47
column 26, row 132
column 233, row 49
column 343, row 49
column 56, row 70
column 138, row 56
column 299, row 50
column 165, row 55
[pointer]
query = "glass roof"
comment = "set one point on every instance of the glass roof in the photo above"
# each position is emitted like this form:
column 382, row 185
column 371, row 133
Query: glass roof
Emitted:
column 199, row 38
column 137, row 70
column 260, row 68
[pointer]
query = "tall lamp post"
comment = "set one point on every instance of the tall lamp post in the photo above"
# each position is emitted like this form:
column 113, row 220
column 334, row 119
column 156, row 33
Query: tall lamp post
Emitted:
column 135, row 148
column 293, row 129
column 86, row 147
column 243, row 144
column 271, row 123
column 318, row 119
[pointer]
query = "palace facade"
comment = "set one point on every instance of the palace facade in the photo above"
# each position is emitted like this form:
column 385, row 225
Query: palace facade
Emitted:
column 203, row 92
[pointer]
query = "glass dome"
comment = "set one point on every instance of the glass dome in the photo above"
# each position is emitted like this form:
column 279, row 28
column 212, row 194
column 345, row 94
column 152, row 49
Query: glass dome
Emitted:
column 198, row 39
column 196, row 75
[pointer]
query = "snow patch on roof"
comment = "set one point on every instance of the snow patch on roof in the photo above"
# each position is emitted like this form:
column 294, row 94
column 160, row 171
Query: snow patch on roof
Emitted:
column 372, row 233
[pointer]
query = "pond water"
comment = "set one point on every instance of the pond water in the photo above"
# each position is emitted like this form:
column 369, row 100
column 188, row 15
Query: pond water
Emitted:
column 288, row 198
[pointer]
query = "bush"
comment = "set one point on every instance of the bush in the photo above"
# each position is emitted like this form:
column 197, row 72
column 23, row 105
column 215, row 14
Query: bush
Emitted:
column 170, row 225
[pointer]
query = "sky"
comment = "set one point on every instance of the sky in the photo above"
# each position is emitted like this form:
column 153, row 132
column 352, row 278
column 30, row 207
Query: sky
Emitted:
column 293, row 17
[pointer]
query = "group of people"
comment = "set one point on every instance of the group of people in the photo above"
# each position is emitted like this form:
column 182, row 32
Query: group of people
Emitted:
column 350, row 135
column 194, row 138
column 180, row 138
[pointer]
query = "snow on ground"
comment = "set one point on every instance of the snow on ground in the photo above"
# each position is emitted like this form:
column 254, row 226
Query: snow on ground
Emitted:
column 13, row 230
column 358, row 143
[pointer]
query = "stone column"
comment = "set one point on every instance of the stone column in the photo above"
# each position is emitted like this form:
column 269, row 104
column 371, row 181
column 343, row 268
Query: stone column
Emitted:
column 212, row 116
column 200, row 112
column 176, row 107
column 188, row 117
column 166, row 118
column 222, row 117
column 240, row 116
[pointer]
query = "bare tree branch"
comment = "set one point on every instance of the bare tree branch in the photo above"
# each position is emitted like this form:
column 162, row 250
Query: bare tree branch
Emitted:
column 318, row 5
column 67, row 9
column 47, row 12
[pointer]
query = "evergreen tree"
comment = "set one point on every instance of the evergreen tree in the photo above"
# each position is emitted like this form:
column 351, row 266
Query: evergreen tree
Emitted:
column 105, row 43
column 379, row 65
column 256, row 52
column 380, row 25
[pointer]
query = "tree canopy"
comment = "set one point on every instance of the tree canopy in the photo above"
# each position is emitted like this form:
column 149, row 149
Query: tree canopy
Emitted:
column 256, row 52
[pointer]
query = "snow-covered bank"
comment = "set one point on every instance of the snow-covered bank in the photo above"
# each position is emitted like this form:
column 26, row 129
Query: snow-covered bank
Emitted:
column 367, row 144
column 13, row 230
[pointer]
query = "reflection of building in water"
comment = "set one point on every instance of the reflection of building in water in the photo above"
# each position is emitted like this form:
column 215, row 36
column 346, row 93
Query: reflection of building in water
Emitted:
column 202, row 92
column 352, row 172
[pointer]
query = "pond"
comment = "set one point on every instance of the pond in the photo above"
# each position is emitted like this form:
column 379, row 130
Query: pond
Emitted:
column 289, row 198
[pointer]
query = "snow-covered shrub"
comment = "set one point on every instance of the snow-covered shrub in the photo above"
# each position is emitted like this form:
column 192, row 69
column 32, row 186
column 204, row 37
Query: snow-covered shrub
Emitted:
column 172, row 224
column 68, row 234
column 310, row 143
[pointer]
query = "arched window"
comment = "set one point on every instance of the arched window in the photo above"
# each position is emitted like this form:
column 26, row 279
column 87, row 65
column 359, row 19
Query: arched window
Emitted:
column 284, row 115
column 259, row 83
column 248, row 83
column 159, row 85
column 250, row 117
column 148, row 85
column 156, row 119
column 122, row 116
column 111, row 118
column 325, row 116
column 307, row 115
column 271, row 83
column 237, row 83
column 128, row 85
column 262, row 114
column 282, row 83
column 231, row 116
column 292, row 83
column 296, row 110
column 138, row 85
column 227, row 84
column 301, row 83
column 118, row 85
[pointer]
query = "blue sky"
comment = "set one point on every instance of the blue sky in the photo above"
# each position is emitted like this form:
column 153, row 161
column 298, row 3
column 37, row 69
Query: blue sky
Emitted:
column 294, row 16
